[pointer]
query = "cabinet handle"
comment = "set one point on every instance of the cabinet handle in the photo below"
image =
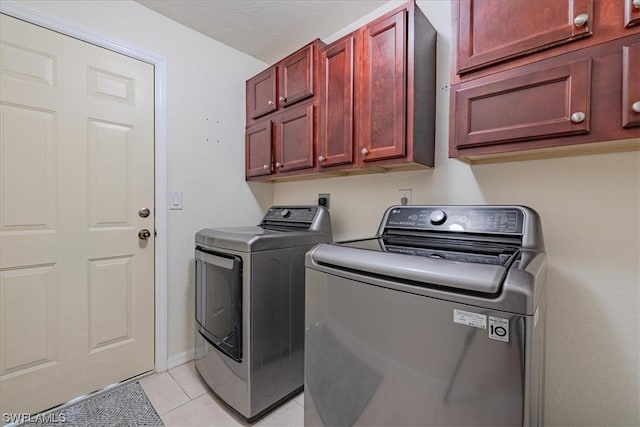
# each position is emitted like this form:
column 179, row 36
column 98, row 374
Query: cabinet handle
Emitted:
column 636, row 105
column 265, row 167
column 636, row 4
column 279, row 165
column 322, row 159
column 270, row 103
column 581, row 20
column 578, row 117
column 283, row 99
column 364, row 151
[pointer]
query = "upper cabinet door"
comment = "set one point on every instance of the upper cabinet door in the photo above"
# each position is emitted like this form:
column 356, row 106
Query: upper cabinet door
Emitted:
column 261, row 93
column 549, row 102
column 381, row 131
column 630, row 86
column 258, row 149
column 491, row 31
column 335, row 146
column 294, row 144
column 296, row 77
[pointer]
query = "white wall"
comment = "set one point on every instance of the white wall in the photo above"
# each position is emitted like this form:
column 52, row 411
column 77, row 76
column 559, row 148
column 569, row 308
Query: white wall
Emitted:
column 590, row 208
column 206, row 104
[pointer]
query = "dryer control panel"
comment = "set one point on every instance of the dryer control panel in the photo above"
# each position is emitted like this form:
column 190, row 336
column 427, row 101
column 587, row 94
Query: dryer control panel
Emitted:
column 291, row 214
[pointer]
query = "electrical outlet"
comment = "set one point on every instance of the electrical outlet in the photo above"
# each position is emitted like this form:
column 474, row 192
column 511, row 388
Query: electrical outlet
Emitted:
column 405, row 196
column 323, row 199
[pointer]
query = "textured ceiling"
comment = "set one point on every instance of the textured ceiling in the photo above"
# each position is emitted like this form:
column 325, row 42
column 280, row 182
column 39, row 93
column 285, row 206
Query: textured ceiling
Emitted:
column 266, row 29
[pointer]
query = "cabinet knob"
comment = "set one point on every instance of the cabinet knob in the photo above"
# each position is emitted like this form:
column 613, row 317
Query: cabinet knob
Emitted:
column 322, row 159
column 270, row 103
column 282, row 99
column 636, row 4
column 265, row 167
column 636, row 105
column 581, row 20
column 364, row 151
column 578, row 117
column 279, row 165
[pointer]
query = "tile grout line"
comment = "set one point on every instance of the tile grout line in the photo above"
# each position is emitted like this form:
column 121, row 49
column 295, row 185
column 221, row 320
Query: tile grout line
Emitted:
column 179, row 385
column 179, row 406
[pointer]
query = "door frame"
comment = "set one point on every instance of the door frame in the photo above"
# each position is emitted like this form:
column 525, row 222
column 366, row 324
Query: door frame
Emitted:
column 28, row 14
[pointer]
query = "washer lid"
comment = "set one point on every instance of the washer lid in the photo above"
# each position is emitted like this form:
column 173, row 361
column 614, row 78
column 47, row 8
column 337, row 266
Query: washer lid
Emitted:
column 462, row 276
column 254, row 238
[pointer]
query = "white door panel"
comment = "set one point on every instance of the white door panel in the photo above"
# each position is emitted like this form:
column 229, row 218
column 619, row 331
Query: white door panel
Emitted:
column 76, row 165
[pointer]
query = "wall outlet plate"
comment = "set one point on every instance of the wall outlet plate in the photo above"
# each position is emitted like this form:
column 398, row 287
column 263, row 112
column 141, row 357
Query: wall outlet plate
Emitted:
column 405, row 196
column 323, row 199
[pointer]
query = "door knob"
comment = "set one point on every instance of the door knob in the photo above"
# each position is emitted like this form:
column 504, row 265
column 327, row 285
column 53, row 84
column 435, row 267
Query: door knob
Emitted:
column 636, row 107
column 144, row 234
column 364, row 151
column 144, row 212
column 282, row 99
column 321, row 158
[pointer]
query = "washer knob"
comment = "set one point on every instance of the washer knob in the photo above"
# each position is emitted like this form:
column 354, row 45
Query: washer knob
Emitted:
column 438, row 217
column 285, row 213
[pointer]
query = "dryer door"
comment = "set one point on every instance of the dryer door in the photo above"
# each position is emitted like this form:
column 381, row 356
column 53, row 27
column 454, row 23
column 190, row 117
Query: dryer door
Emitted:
column 219, row 300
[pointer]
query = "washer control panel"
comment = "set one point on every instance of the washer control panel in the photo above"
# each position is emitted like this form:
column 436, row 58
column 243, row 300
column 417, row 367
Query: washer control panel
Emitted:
column 472, row 219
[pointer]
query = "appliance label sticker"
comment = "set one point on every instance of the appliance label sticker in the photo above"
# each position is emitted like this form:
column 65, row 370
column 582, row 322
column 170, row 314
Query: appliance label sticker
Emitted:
column 499, row 329
column 470, row 319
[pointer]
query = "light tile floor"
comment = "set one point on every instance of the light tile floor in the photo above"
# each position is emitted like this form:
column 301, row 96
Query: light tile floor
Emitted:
column 182, row 398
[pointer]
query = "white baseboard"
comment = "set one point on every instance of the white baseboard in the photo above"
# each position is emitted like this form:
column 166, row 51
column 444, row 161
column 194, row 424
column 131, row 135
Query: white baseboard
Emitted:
column 180, row 358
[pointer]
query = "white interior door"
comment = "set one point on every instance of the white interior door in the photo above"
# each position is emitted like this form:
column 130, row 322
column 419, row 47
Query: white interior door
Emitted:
column 76, row 166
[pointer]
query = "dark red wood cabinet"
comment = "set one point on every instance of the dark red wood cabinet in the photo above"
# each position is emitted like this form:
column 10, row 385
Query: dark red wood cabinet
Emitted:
column 552, row 101
column 281, row 125
column 491, row 31
column 285, row 83
column 396, row 91
column 258, row 149
column 294, row 139
column 377, row 100
column 337, row 79
column 556, row 99
column 261, row 94
column 631, row 85
column 383, row 95
column 371, row 106
column 296, row 76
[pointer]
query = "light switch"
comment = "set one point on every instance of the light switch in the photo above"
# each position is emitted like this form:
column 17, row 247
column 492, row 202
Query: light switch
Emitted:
column 175, row 200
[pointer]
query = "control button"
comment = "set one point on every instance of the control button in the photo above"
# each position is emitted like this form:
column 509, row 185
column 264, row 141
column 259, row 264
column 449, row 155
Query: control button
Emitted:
column 285, row 213
column 438, row 217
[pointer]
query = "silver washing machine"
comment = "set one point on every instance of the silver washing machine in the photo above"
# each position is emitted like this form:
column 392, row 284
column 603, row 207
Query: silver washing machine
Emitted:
column 250, row 307
column 438, row 320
